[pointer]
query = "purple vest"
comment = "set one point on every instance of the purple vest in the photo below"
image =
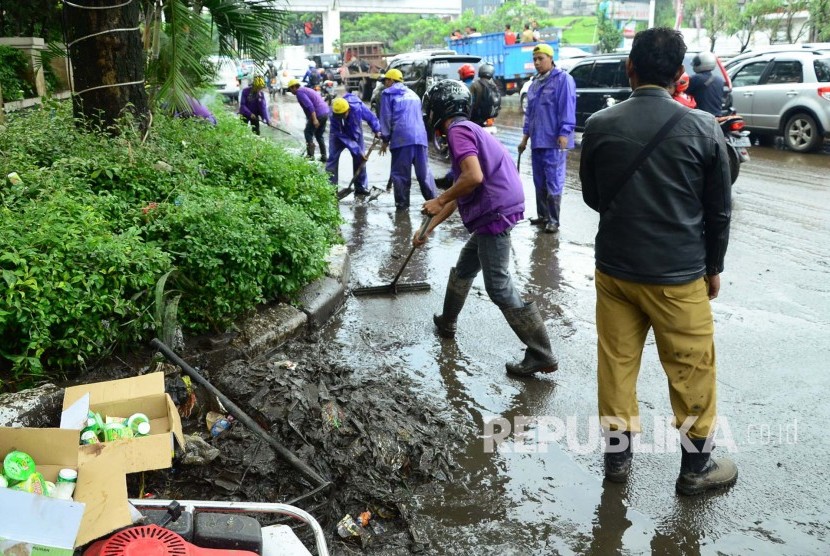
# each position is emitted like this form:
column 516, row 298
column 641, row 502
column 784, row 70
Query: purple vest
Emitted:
column 500, row 195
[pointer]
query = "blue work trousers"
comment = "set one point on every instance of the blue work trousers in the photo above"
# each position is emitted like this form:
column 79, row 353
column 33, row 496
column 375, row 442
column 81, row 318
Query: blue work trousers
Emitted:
column 549, row 180
column 490, row 254
column 403, row 158
column 336, row 147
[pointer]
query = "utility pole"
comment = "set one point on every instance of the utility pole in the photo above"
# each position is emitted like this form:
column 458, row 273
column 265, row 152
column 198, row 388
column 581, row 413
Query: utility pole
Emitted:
column 651, row 10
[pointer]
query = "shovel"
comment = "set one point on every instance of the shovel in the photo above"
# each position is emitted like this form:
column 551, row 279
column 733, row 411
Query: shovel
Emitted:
column 395, row 288
column 343, row 193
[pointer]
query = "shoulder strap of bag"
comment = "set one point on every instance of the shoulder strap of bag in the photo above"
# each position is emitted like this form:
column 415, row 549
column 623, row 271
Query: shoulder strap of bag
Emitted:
column 625, row 177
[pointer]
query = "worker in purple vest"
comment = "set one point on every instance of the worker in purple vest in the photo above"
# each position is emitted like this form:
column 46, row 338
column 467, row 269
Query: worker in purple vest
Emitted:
column 402, row 130
column 488, row 194
column 347, row 133
column 549, row 124
column 252, row 104
column 317, row 115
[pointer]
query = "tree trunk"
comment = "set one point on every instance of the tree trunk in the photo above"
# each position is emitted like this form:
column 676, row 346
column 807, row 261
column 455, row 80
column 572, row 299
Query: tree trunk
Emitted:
column 108, row 69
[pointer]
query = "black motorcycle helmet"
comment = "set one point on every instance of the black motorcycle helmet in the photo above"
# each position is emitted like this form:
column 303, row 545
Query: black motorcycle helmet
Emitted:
column 487, row 71
column 446, row 99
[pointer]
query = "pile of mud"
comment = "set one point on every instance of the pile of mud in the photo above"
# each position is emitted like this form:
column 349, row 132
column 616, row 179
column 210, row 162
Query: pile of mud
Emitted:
column 376, row 439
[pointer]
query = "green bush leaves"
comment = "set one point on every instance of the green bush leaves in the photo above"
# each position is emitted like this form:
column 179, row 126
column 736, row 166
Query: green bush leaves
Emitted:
column 224, row 218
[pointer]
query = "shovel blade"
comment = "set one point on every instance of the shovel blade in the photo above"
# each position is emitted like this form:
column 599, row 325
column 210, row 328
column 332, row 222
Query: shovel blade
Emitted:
column 389, row 289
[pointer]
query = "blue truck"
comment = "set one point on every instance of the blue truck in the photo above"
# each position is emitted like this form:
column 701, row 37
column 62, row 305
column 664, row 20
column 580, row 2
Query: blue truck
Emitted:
column 513, row 63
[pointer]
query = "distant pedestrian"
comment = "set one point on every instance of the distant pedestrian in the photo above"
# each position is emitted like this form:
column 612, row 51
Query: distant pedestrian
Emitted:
column 534, row 27
column 474, row 32
column 317, row 114
column 457, row 34
column 403, row 133
column 660, row 247
column 349, row 113
column 253, row 106
column 509, row 36
column 489, row 197
column 312, row 76
column 527, row 34
column 549, row 125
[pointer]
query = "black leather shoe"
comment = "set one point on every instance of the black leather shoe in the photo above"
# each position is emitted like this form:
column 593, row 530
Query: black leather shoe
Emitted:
column 618, row 466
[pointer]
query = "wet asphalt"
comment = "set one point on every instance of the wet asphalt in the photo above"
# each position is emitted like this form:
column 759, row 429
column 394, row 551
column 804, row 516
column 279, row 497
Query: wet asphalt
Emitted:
column 536, row 495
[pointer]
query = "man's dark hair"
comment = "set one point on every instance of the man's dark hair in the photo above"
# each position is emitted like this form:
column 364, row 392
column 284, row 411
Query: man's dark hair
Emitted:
column 527, row 25
column 507, row 26
column 656, row 55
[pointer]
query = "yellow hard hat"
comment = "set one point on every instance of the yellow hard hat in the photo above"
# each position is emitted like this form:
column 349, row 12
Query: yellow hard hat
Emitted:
column 294, row 82
column 340, row 105
column 394, row 75
column 544, row 49
column 259, row 82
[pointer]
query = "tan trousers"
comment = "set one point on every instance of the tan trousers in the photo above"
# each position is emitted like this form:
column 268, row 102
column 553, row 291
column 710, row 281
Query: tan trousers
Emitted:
column 684, row 331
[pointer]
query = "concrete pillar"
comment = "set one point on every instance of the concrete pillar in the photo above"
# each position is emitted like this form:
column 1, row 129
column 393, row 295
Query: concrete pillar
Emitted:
column 331, row 28
column 31, row 47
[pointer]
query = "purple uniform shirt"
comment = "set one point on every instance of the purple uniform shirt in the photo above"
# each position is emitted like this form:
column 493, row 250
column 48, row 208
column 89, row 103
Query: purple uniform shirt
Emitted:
column 311, row 101
column 252, row 103
column 498, row 203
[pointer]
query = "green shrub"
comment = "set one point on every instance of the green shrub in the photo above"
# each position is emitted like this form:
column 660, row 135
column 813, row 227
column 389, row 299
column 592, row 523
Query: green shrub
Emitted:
column 12, row 74
column 71, row 288
column 97, row 222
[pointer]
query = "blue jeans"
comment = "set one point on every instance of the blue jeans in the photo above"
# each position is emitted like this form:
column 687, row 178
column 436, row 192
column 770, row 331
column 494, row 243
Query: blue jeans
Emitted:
column 490, row 254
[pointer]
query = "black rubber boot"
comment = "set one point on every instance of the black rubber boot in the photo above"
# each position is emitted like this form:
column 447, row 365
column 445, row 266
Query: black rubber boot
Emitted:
column 699, row 472
column 529, row 326
column 617, row 463
column 309, row 150
column 538, row 221
column 457, row 290
column 323, row 155
column 552, row 226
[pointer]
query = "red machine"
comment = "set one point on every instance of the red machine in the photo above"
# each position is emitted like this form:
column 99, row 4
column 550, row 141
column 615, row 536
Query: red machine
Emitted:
column 152, row 540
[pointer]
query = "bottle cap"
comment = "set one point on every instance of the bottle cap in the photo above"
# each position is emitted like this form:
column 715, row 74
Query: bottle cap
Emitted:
column 67, row 476
column 143, row 429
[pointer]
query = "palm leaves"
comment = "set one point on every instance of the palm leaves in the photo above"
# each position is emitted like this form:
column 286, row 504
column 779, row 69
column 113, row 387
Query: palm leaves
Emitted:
column 175, row 54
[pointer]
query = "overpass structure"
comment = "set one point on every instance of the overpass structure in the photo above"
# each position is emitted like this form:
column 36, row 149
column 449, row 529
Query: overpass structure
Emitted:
column 331, row 10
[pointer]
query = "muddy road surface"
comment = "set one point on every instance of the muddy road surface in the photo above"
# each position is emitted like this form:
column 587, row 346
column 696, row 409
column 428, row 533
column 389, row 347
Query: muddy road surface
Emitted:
column 540, row 490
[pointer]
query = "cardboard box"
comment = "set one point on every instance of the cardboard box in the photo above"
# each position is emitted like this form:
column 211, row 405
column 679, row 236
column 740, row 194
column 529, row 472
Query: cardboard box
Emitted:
column 34, row 524
column 103, row 486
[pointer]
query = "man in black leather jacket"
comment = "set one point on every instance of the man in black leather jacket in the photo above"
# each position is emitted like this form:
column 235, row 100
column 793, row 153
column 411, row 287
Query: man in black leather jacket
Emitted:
column 659, row 253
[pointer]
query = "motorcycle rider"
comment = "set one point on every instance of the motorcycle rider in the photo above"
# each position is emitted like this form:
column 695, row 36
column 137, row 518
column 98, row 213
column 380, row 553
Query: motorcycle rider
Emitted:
column 347, row 133
column 272, row 78
column 680, row 94
column 466, row 73
column 402, row 130
column 252, row 105
column 312, row 76
column 317, row 115
column 489, row 197
column 706, row 85
column 485, row 96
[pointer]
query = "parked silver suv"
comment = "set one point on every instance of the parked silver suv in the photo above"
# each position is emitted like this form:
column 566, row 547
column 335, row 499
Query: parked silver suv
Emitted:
column 785, row 93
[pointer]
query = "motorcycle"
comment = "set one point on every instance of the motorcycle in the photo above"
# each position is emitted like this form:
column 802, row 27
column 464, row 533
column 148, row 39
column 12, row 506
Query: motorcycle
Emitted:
column 439, row 140
column 327, row 91
column 737, row 141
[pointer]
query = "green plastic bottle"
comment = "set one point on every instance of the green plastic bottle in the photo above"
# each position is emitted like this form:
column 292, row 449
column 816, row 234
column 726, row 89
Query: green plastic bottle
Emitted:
column 18, row 466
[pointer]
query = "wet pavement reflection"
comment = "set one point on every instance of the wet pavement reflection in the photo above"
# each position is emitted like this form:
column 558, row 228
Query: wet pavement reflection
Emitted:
column 532, row 497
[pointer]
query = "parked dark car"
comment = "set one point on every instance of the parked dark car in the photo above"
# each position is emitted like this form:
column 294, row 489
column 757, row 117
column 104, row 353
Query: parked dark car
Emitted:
column 601, row 81
column 331, row 63
column 422, row 69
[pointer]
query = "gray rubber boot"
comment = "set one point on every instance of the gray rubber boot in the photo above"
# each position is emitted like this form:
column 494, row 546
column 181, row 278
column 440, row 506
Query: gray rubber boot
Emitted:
column 457, row 290
column 699, row 472
column 529, row 326
column 552, row 227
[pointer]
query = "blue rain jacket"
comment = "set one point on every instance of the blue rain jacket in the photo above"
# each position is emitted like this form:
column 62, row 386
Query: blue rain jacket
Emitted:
column 551, row 110
column 401, row 120
column 349, row 130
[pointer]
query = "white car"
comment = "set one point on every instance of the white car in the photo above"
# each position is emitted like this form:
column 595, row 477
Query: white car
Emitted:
column 225, row 79
column 292, row 69
column 568, row 56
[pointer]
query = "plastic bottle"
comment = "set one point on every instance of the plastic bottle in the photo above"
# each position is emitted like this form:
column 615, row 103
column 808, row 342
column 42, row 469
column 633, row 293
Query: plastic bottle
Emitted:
column 18, row 466
column 136, row 420
column 89, row 437
column 65, row 487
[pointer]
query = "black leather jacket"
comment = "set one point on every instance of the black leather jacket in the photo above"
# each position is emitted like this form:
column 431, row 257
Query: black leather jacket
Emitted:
column 670, row 223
